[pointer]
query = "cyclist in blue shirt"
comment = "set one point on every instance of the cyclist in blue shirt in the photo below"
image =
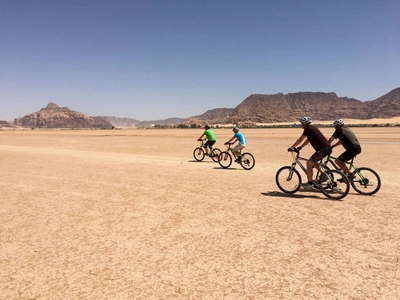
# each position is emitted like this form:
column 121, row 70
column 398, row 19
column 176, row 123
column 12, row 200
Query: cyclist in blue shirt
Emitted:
column 237, row 137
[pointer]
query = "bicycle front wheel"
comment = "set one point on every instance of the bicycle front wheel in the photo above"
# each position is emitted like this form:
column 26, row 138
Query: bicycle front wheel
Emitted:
column 225, row 159
column 334, row 184
column 288, row 179
column 198, row 154
column 367, row 181
column 215, row 154
column 247, row 161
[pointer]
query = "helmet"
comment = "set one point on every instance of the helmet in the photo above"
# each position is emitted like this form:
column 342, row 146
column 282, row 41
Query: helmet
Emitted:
column 207, row 127
column 306, row 120
column 339, row 122
column 236, row 129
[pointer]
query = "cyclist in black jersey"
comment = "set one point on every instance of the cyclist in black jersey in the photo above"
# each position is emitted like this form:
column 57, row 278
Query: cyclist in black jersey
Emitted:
column 349, row 141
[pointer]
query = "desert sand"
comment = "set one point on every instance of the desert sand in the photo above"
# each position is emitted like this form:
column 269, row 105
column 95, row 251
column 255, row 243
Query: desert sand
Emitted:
column 129, row 214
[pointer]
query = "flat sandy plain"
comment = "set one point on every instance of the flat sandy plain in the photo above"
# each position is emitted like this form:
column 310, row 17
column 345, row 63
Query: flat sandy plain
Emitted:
column 129, row 214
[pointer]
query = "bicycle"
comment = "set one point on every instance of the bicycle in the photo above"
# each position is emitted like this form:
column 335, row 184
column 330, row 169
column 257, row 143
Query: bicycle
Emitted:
column 332, row 183
column 366, row 181
column 199, row 152
column 246, row 160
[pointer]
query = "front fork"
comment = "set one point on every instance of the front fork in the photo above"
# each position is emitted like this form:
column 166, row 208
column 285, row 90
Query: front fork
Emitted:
column 292, row 167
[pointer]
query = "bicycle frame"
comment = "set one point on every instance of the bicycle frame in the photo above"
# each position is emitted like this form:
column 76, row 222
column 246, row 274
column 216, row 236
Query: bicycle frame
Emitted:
column 202, row 144
column 297, row 161
column 330, row 159
column 230, row 149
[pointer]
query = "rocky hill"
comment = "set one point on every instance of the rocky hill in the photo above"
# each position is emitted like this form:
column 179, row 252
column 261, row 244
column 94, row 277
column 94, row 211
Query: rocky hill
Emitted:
column 387, row 106
column 214, row 116
column 120, row 122
column 260, row 108
column 53, row 116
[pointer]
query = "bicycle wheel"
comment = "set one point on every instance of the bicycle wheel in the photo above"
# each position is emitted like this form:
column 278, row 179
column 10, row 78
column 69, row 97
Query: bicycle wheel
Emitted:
column 247, row 161
column 198, row 154
column 215, row 154
column 334, row 184
column 367, row 181
column 225, row 159
column 288, row 180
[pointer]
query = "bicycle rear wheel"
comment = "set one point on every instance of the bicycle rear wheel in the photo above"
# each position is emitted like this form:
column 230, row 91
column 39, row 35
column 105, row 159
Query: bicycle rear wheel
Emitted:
column 215, row 154
column 334, row 184
column 367, row 181
column 198, row 154
column 288, row 179
column 225, row 159
column 247, row 161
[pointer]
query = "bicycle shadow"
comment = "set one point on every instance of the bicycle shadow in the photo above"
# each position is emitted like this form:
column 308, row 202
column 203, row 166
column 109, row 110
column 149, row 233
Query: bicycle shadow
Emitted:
column 203, row 161
column 298, row 196
column 229, row 169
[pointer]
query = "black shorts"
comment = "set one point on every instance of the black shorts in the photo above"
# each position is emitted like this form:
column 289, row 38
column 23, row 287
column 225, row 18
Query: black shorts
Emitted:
column 350, row 153
column 320, row 154
column 209, row 144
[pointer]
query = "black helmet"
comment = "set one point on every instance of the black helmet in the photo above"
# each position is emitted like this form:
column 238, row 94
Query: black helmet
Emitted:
column 207, row 127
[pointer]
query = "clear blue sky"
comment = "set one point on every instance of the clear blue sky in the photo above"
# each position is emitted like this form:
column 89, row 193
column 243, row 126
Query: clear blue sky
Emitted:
column 152, row 59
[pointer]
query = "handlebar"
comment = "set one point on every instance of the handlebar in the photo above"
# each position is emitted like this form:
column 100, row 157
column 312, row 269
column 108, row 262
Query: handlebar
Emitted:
column 294, row 150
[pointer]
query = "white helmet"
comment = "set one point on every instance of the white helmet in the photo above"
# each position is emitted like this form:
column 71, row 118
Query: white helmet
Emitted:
column 339, row 122
column 236, row 129
column 306, row 120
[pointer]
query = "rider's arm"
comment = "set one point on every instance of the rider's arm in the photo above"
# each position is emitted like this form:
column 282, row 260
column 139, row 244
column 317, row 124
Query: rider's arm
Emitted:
column 299, row 140
column 230, row 141
column 200, row 137
column 331, row 140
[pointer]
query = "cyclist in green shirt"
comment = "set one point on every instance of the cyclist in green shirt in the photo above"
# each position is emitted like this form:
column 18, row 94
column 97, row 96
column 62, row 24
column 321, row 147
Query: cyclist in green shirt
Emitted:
column 210, row 138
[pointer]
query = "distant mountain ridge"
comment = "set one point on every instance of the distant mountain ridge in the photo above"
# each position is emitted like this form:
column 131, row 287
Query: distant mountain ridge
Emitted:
column 261, row 108
column 257, row 108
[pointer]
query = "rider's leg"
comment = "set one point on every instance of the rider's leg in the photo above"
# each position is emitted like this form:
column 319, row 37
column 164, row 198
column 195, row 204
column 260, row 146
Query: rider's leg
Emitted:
column 237, row 149
column 206, row 145
column 310, row 167
column 347, row 155
column 342, row 165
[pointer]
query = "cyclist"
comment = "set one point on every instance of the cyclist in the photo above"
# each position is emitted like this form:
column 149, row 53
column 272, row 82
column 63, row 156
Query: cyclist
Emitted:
column 210, row 138
column 320, row 144
column 349, row 141
column 237, row 137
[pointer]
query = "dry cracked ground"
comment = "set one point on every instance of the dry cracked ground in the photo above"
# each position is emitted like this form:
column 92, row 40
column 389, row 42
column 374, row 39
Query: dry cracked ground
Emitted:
column 129, row 214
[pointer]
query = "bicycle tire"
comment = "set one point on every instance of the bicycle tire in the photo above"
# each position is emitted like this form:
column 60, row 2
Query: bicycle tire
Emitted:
column 225, row 159
column 247, row 161
column 367, row 181
column 215, row 154
column 335, row 185
column 199, row 154
column 288, row 179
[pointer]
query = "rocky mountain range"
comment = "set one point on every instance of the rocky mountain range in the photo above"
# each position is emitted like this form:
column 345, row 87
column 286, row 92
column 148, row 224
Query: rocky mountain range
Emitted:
column 257, row 108
column 128, row 122
column 53, row 116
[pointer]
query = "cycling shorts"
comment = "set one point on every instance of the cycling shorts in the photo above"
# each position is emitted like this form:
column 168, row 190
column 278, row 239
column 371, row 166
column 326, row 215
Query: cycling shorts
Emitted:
column 350, row 153
column 321, row 153
column 209, row 144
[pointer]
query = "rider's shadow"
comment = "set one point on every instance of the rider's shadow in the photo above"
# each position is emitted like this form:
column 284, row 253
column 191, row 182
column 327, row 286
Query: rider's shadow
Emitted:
column 204, row 161
column 295, row 196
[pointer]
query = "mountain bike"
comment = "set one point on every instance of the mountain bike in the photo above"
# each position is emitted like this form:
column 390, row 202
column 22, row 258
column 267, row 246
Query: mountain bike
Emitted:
column 366, row 181
column 246, row 160
column 332, row 183
column 199, row 153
